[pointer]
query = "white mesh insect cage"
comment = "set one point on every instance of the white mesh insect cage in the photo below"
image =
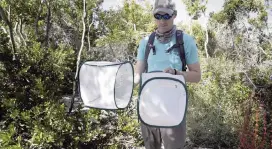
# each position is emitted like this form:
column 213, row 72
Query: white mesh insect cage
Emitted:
column 162, row 99
column 106, row 85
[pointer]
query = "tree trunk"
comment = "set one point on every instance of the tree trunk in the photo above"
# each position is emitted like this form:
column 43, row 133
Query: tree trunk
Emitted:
column 89, row 42
column 37, row 19
column 207, row 36
column 21, row 32
column 16, row 32
column 206, row 42
column 79, row 55
column 48, row 25
column 9, row 24
column 89, row 30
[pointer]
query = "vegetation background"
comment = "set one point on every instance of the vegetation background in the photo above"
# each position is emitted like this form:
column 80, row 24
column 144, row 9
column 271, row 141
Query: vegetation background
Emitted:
column 41, row 42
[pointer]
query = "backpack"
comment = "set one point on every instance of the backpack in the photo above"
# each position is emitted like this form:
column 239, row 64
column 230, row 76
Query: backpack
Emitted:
column 179, row 45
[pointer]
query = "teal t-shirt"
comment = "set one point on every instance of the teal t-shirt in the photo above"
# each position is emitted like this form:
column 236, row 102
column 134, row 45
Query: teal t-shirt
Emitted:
column 162, row 60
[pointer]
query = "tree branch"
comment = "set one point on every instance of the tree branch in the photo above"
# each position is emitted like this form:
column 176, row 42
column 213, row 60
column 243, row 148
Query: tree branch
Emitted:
column 5, row 31
column 255, row 87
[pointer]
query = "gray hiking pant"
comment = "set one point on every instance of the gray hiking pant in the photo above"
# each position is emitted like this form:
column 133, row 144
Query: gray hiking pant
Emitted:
column 172, row 138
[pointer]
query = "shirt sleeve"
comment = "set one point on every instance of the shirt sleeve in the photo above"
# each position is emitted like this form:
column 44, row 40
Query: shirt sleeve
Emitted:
column 141, row 50
column 191, row 50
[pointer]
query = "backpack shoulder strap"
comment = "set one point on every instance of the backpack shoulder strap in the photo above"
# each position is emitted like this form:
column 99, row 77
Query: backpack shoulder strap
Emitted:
column 149, row 46
column 179, row 41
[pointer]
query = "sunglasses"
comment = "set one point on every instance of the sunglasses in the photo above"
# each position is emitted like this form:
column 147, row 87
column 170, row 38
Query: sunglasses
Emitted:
column 164, row 16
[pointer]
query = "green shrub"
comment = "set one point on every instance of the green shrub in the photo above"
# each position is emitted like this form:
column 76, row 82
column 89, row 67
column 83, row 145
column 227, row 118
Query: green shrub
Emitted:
column 215, row 112
column 32, row 115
